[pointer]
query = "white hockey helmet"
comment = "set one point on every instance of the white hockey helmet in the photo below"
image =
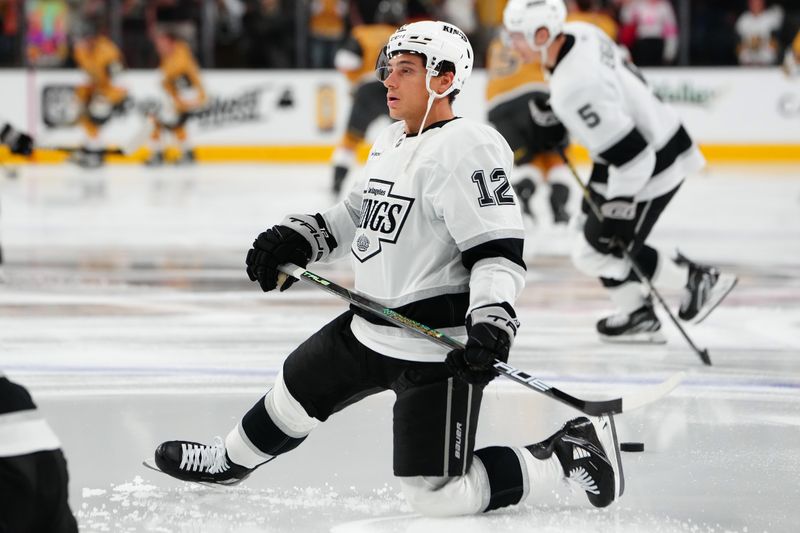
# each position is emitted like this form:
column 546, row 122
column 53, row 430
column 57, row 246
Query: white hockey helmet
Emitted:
column 439, row 43
column 526, row 17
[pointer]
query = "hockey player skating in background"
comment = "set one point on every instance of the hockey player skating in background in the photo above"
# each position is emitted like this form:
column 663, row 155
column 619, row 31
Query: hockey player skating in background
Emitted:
column 100, row 59
column 641, row 155
column 185, row 97
column 356, row 60
column 436, row 233
column 517, row 96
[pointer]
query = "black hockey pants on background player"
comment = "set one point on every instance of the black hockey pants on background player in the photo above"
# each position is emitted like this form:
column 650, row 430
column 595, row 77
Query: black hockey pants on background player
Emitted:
column 33, row 471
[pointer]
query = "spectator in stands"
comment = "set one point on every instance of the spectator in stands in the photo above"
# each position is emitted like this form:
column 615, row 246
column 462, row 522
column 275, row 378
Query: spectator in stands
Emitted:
column 326, row 30
column 650, row 31
column 268, row 33
column 589, row 11
column 758, row 29
column 9, row 33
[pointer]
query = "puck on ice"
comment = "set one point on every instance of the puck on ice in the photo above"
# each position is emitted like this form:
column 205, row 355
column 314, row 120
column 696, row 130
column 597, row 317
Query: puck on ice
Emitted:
column 631, row 446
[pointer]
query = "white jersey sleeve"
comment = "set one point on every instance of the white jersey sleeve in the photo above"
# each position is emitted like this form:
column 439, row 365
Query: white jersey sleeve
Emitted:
column 482, row 214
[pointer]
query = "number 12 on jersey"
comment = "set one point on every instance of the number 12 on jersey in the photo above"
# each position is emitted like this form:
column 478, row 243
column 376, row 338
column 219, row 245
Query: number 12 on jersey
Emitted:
column 500, row 193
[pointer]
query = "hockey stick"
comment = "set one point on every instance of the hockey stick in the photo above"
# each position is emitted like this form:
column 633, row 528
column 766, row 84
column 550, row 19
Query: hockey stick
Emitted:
column 703, row 354
column 589, row 407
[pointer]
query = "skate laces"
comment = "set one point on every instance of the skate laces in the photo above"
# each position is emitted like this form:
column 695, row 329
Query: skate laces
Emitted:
column 203, row 458
column 580, row 478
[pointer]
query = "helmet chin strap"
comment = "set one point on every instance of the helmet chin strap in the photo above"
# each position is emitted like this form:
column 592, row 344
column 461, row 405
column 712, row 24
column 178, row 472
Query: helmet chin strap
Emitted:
column 431, row 97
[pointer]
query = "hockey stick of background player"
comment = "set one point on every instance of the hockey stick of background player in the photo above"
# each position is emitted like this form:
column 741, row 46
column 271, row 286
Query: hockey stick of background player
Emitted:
column 703, row 354
column 589, row 407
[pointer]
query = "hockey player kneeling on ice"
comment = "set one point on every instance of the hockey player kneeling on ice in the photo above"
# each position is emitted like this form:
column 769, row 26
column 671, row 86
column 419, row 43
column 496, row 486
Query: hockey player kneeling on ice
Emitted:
column 436, row 233
column 641, row 154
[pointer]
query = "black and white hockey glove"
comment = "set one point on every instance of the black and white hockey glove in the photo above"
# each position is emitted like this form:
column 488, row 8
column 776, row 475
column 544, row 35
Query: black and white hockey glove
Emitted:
column 617, row 229
column 488, row 340
column 18, row 142
column 272, row 248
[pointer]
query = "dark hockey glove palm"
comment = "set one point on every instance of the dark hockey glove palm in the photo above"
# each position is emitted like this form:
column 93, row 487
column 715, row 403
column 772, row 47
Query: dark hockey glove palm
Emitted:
column 617, row 229
column 17, row 142
column 276, row 246
column 474, row 363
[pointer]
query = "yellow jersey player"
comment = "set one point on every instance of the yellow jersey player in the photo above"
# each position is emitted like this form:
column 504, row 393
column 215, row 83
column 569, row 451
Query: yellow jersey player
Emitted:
column 517, row 96
column 186, row 96
column 100, row 59
column 356, row 59
column 587, row 11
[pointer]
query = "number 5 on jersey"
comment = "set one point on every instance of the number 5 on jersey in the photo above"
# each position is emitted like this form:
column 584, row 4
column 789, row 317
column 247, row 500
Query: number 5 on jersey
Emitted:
column 500, row 194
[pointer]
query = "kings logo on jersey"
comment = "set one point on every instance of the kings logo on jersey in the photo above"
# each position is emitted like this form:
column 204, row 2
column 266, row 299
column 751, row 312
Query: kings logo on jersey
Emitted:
column 382, row 217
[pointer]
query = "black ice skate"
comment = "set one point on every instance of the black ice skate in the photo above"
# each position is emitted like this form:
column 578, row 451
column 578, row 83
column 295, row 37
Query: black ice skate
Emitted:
column 642, row 325
column 588, row 451
column 156, row 159
column 202, row 463
column 187, row 157
column 705, row 290
column 87, row 158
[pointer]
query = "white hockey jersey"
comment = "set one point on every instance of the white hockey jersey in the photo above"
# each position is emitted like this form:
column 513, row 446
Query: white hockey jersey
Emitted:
column 637, row 142
column 434, row 231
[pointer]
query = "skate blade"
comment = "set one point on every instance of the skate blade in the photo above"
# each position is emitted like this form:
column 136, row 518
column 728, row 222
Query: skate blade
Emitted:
column 642, row 337
column 607, row 433
column 723, row 287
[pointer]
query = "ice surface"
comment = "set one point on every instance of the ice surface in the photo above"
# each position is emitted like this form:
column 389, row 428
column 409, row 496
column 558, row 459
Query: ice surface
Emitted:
column 127, row 312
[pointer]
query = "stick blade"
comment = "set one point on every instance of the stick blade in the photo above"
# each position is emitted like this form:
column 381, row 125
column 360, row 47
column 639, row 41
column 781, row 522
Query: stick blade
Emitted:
column 650, row 395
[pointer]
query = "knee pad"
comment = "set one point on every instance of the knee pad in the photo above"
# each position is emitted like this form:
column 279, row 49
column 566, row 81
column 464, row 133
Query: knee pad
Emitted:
column 597, row 265
column 286, row 411
column 448, row 496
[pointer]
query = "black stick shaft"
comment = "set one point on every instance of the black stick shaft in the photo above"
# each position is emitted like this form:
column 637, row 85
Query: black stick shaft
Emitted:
column 593, row 408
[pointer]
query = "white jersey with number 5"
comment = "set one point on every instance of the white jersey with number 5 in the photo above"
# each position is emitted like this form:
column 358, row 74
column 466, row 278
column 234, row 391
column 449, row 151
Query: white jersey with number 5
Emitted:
column 434, row 230
column 637, row 142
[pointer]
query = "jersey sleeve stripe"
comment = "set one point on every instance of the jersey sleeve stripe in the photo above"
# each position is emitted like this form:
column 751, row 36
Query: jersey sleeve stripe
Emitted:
column 677, row 145
column 626, row 149
column 508, row 248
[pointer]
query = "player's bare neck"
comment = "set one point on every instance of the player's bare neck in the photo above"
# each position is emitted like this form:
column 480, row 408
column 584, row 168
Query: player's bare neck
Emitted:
column 554, row 50
column 440, row 111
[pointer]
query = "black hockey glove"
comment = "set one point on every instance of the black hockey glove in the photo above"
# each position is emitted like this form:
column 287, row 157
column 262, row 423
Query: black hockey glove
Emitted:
column 617, row 229
column 551, row 132
column 274, row 247
column 18, row 142
column 474, row 363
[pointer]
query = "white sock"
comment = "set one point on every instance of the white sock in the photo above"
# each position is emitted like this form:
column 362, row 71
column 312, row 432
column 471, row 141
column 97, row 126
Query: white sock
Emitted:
column 670, row 274
column 628, row 297
column 543, row 474
column 241, row 451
